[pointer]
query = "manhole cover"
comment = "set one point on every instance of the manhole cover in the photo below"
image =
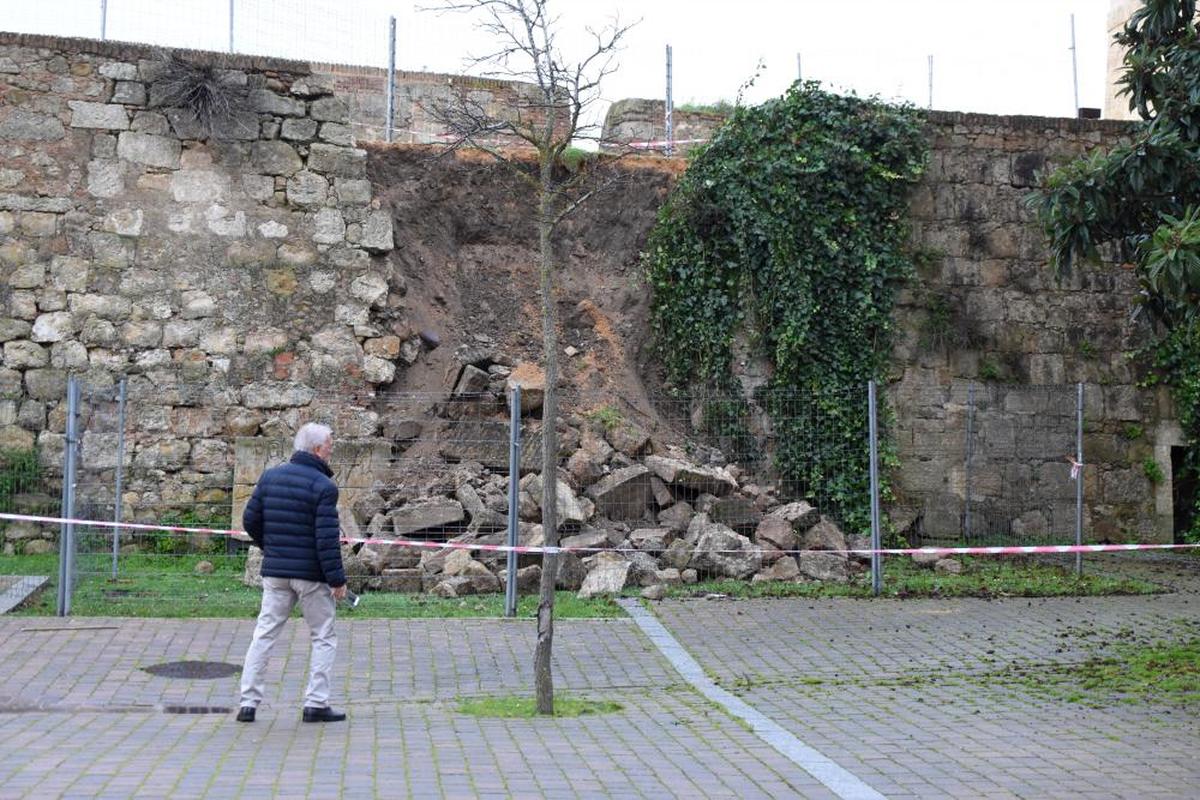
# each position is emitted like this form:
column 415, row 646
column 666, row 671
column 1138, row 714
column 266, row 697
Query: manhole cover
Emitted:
column 204, row 670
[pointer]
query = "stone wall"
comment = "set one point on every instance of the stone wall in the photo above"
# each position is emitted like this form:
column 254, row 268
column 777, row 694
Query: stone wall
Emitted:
column 986, row 308
column 249, row 279
column 229, row 275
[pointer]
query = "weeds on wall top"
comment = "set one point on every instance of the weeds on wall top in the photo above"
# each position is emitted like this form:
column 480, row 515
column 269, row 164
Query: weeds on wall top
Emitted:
column 794, row 217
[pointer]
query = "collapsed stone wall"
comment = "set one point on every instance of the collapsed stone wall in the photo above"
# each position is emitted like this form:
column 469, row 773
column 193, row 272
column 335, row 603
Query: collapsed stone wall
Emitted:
column 250, row 280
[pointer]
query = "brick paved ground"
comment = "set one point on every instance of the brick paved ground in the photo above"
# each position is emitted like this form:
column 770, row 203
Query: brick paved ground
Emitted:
column 939, row 724
column 903, row 703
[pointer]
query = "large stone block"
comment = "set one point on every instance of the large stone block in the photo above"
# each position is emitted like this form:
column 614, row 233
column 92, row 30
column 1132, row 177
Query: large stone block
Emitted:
column 21, row 354
column 432, row 514
column 149, row 150
column 266, row 101
column 54, row 327
column 623, row 494
column 276, row 395
column 377, row 234
column 275, row 158
column 342, row 162
column 20, row 124
column 105, row 178
column 199, row 186
column 102, row 116
column 713, row 480
column 307, row 189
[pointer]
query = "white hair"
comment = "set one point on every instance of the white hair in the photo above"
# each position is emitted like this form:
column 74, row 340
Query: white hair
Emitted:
column 311, row 436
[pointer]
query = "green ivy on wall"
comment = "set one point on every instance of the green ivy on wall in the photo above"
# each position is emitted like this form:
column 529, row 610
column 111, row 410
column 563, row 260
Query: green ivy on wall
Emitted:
column 793, row 217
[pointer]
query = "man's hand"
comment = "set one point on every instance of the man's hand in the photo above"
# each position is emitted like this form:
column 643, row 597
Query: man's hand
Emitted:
column 339, row 592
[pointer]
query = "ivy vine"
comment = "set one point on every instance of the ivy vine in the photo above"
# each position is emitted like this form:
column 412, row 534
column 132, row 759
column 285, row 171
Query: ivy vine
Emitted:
column 792, row 221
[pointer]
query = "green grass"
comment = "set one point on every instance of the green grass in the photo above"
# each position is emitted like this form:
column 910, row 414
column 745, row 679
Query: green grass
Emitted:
column 988, row 577
column 155, row 585
column 516, row 707
column 1161, row 672
column 167, row 586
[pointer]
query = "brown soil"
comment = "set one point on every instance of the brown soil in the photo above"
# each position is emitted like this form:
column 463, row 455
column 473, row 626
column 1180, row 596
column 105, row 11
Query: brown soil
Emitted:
column 466, row 248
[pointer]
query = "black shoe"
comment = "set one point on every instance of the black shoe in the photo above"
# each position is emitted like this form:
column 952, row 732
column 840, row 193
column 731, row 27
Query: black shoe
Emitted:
column 245, row 714
column 322, row 715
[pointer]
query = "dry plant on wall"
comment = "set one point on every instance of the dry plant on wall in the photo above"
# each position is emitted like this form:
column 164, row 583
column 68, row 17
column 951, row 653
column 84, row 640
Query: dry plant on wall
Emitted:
column 205, row 91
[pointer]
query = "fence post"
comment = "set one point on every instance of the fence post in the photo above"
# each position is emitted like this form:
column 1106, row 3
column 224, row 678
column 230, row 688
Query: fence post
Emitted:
column 118, row 483
column 670, row 109
column 970, row 451
column 1079, row 476
column 66, row 535
column 876, row 538
column 514, row 478
column 391, row 79
column 231, row 2
column 103, row 20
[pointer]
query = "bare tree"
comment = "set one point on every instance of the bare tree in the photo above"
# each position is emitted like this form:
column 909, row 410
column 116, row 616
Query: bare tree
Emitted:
column 548, row 118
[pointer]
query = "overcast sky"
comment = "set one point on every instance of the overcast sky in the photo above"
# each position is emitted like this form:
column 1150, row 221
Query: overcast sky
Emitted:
column 996, row 56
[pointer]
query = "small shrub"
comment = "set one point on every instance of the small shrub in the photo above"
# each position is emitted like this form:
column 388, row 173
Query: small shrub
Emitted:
column 1132, row 432
column 1153, row 471
column 989, row 370
column 607, row 416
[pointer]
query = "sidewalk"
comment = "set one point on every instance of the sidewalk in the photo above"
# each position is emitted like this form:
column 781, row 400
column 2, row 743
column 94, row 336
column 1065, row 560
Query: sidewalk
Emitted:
column 887, row 690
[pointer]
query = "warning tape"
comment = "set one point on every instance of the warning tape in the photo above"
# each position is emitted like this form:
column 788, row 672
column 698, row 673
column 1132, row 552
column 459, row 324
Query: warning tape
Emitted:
column 527, row 549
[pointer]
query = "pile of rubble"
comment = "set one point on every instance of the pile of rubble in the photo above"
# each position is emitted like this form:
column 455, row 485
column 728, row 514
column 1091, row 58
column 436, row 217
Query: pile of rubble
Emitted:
column 642, row 514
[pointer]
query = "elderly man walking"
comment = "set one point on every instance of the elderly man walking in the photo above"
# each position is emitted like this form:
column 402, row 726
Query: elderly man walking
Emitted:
column 293, row 517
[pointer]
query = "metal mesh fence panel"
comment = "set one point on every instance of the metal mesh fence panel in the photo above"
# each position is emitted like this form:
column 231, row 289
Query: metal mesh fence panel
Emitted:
column 985, row 463
column 675, row 491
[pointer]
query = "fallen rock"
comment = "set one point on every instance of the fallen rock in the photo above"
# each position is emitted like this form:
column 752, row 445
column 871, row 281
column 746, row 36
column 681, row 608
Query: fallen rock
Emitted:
column 643, row 569
column 628, row 438
column 721, row 551
column 529, row 579
column 860, row 542
column 204, row 568
column 776, row 532
column 607, row 576
column 785, row 569
column 431, row 514
column 677, row 554
column 824, row 566
column 677, row 517
column 571, row 572
column 669, row 576
column 655, row 592
column 586, row 464
column 653, row 540
column 948, row 566
column 406, row 581
column 800, row 514
column 824, row 535
column 736, row 512
column 712, row 480
column 570, row 510
column 926, row 559
column 624, row 494
column 689, row 576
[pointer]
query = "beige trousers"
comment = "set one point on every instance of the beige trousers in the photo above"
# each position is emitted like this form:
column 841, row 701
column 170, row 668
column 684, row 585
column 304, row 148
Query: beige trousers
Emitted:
column 280, row 596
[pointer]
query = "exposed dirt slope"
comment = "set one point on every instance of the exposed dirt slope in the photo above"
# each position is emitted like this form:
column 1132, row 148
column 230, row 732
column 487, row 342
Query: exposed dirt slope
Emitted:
column 466, row 246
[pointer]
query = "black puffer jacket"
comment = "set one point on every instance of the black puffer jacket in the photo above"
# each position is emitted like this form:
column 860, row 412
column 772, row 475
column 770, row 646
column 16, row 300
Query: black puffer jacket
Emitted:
column 293, row 517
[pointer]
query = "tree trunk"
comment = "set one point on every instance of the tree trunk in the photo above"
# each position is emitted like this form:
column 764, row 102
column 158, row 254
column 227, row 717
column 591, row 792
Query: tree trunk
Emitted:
column 543, row 678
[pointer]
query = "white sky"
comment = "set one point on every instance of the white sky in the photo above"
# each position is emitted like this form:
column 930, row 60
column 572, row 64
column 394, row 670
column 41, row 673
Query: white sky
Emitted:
column 995, row 56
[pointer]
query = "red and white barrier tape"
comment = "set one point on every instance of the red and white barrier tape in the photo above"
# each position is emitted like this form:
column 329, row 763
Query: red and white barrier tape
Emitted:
column 524, row 549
